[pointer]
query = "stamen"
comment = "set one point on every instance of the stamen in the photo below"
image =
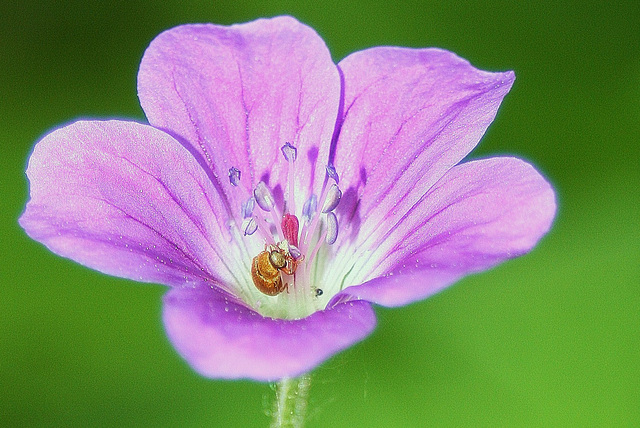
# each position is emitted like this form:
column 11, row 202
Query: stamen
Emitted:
column 264, row 199
column 310, row 228
column 247, row 207
column 309, row 208
column 290, row 152
column 265, row 229
column 308, row 213
column 332, row 228
column 234, row 176
column 249, row 226
column 276, row 219
column 295, row 253
column 263, row 196
column 316, row 248
column 331, row 172
column 333, row 198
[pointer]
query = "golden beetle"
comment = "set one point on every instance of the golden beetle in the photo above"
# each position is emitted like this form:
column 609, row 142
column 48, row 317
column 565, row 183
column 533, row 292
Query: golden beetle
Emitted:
column 267, row 266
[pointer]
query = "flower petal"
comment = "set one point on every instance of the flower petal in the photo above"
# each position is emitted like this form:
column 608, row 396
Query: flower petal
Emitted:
column 479, row 214
column 128, row 200
column 237, row 94
column 221, row 338
column 409, row 116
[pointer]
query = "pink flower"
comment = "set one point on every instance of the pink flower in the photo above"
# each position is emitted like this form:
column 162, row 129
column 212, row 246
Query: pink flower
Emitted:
column 348, row 176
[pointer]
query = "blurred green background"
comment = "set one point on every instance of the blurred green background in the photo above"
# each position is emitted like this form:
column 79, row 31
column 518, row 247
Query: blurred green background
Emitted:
column 551, row 339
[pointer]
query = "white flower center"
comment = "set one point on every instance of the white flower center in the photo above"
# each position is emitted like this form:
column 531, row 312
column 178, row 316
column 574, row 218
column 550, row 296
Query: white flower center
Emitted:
column 284, row 258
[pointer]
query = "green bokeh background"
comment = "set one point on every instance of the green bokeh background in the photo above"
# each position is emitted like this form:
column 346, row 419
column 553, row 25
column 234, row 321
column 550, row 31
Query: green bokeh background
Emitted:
column 551, row 339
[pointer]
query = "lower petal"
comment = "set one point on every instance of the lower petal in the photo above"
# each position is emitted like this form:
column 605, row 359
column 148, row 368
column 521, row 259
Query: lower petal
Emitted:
column 221, row 338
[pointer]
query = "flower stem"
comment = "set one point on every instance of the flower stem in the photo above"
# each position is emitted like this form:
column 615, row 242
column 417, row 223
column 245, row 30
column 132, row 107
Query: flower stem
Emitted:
column 291, row 402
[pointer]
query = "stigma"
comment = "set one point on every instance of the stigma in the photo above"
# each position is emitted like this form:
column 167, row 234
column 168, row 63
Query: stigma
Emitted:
column 292, row 238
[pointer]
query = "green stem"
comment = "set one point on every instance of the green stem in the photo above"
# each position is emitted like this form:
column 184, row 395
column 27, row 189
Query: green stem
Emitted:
column 291, row 402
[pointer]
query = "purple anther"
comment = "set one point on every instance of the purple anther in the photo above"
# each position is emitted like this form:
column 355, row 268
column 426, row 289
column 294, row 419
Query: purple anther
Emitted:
column 263, row 196
column 295, row 253
column 290, row 152
column 249, row 225
column 247, row 207
column 332, row 228
column 331, row 172
column 309, row 208
column 234, row 176
column 333, row 198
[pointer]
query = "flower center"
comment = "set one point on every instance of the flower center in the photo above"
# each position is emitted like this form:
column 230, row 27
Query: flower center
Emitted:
column 284, row 273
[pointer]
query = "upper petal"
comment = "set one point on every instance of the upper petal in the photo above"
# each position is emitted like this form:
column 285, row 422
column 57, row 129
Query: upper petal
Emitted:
column 478, row 215
column 237, row 94
column 224, row 339
column 128, row 200
column 409, row 116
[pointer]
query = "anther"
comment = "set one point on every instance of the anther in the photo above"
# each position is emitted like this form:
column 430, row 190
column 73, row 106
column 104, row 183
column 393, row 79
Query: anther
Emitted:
column 309, row 208
column 333, row 198
column 295, row 253
column 263, row 196
column 234, row 176
column 332, row 228
column 249, row 226
column 331, row 172
column 247, row 207
column 290, row 152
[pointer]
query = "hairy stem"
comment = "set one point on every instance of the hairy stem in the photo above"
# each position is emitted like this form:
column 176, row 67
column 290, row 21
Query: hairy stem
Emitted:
column 291, row 402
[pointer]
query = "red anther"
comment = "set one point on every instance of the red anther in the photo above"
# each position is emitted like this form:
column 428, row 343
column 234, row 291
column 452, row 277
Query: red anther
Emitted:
column 290, row 229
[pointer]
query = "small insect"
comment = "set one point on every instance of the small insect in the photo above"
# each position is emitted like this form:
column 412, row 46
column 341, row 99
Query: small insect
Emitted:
column 267, row 266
